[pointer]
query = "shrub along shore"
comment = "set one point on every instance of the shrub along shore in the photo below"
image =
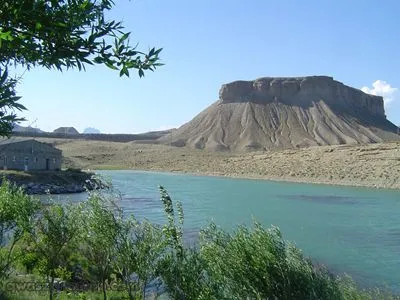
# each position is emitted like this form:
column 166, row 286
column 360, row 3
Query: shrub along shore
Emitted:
column 92, row 250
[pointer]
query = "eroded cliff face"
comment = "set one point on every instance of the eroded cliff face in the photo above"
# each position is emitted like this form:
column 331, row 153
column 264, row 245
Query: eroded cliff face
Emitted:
column 281, row 113
column 301, row 91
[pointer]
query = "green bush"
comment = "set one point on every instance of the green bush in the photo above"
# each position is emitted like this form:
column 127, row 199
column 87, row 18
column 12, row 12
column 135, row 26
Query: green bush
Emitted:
column 258, row 264
column 17, row 211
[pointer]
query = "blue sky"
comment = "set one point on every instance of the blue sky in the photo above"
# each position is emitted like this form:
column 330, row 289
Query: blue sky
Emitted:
column 208, row 43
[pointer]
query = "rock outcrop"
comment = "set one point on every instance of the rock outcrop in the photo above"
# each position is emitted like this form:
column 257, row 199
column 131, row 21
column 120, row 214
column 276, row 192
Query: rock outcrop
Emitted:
column 270, row 113
column 54, row 182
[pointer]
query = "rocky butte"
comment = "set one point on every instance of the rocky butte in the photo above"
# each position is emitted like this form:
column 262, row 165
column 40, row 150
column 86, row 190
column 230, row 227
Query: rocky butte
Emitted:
column 290, row 112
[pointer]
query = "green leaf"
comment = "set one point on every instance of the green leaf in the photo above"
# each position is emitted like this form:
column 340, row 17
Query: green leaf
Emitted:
column 3, row 77
column 85, row 60
column 60, row 24
column 84, row 4
column 158, row 51
column 111, row 66
column 124, row 71
column 6, row 35
column 124, row 37
column 98, row 60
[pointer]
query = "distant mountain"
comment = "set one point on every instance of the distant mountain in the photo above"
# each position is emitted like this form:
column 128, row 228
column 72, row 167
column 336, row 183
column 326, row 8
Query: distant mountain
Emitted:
column 28, row 129
column 66, row 130
column 279, row 113
column 91, row 130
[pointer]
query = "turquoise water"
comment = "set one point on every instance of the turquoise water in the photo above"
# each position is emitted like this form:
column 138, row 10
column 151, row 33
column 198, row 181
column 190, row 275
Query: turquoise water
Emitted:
column 352, row 230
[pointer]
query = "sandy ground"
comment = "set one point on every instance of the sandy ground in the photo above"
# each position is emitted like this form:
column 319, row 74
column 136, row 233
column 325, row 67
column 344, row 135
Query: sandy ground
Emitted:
column 373, row 165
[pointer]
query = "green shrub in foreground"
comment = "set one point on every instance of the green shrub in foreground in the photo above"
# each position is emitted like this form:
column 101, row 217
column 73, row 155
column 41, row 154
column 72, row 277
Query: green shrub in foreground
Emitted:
column 250, row 263
column 17, row 211
column 258, row 264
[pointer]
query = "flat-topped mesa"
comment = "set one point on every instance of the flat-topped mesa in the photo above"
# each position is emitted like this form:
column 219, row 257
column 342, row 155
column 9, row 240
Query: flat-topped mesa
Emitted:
column 285, row 113
column 301, row 91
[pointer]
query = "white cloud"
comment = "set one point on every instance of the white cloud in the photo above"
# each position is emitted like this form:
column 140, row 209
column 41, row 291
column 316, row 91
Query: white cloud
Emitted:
column 381, row 88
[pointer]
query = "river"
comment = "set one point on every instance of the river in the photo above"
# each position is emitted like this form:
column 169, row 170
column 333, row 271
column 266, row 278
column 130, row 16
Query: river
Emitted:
column 349, row 229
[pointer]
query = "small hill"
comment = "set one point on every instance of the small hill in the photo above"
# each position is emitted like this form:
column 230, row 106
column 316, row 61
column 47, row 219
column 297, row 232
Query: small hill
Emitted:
column 66, row 130
column 91, row 130
column 282, row 113
column 28, row 129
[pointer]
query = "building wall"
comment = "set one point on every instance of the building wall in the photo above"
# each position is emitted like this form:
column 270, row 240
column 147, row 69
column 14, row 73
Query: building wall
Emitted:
column 29, row 155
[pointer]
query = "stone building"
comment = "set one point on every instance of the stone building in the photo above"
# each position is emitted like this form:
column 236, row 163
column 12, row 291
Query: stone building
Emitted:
column 28, row 155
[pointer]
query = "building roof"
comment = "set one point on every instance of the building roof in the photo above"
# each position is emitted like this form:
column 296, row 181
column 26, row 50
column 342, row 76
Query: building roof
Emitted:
column 12, row 140
column 16, row 140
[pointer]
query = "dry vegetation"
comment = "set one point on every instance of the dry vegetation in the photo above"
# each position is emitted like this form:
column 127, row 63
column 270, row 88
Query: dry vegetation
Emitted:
column 376, row 165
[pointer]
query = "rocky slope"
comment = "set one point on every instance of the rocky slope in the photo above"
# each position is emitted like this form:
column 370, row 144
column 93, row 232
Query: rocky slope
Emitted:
column 282, row 113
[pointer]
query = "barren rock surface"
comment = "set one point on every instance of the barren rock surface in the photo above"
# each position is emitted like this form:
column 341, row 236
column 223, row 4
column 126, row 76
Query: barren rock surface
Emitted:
column 286, row 113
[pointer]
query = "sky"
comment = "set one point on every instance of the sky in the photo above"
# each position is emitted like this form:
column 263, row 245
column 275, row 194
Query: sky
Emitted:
column 208, row 43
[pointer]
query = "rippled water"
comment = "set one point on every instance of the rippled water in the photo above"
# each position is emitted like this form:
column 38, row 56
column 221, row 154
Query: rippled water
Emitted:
column 352, row 230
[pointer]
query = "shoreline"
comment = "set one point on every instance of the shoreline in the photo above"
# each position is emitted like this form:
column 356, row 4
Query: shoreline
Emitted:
column 255, row 177
column 369, row 165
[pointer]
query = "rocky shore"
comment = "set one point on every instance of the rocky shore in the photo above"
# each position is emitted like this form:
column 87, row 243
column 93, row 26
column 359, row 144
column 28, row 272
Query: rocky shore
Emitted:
column 53, row 182
column 40, row 188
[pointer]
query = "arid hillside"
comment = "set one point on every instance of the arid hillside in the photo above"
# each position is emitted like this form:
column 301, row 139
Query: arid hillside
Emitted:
column 286, row 113
column 375, row 165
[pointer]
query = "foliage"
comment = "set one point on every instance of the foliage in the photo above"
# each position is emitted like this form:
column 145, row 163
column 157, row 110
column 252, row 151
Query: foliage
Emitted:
column 8, row 102
column 182, row 269
column 68, row 34
column 139, row 247
column 173, row 230
column 51, row 241
column 258, row 264
column 170, row 268
column 60, row 35
column 100, row 223
column 16, row 215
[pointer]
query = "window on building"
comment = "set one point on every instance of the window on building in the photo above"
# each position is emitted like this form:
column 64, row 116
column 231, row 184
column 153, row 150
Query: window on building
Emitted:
column 5, row 159
column 35, row 159
column 14, row 159
column 54, row 160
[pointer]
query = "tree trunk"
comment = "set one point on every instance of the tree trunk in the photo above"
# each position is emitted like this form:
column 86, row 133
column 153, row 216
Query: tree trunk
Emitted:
column 144, row 290
column 104, row 289
column 130, row 291
column 51, row 287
